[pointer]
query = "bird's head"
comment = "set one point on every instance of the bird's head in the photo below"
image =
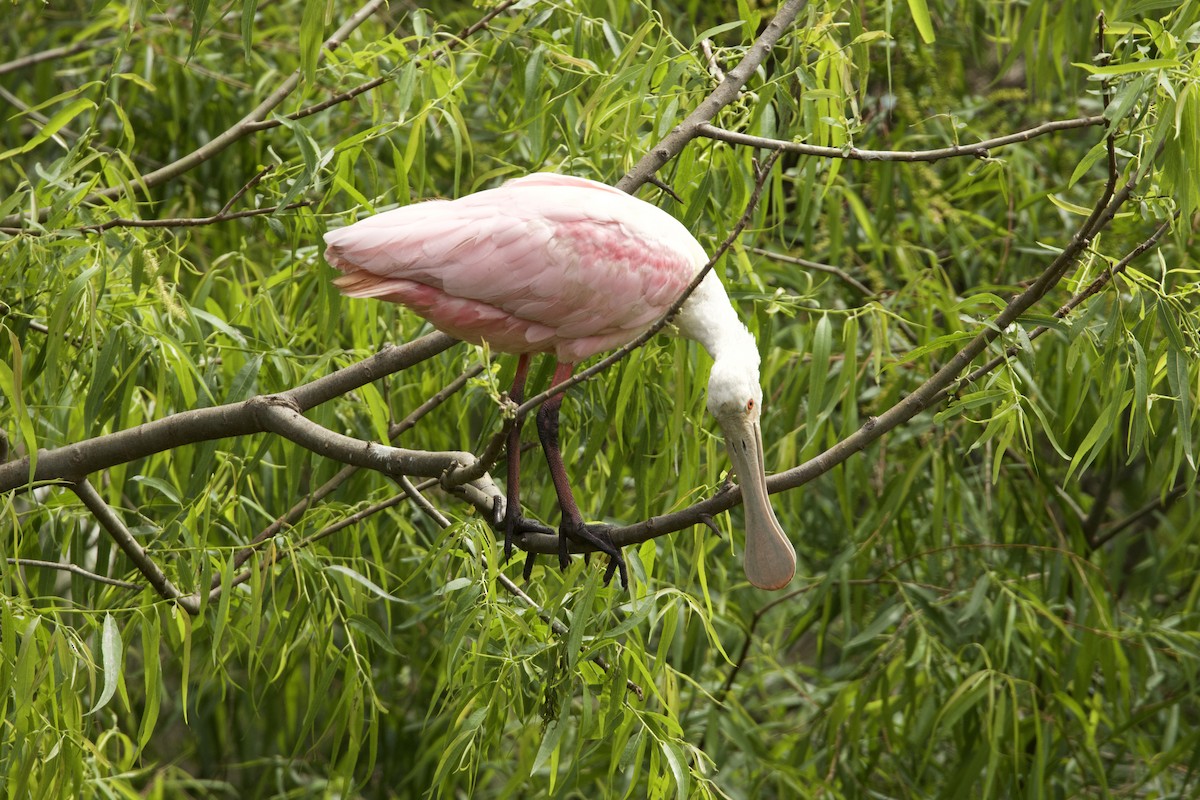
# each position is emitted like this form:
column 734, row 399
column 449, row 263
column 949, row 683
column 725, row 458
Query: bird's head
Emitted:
column 735, row 399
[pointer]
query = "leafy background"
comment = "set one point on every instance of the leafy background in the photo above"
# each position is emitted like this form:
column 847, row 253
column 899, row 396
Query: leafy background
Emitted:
column 996, row 599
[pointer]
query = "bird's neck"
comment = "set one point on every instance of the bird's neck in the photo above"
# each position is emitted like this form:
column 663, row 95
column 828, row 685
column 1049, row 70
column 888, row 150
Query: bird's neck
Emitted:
column 708, row 318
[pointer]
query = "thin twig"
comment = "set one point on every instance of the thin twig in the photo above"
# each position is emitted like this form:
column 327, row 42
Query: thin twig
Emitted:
column 977, row 150
column 52, row 53
column 1154, row 507
column 250, row 184
column 74, row 569
column 189, row 222
column 817, row 266
column 710, row 60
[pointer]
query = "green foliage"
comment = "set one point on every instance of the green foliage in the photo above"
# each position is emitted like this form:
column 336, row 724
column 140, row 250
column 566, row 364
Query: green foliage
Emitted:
column 998, row 598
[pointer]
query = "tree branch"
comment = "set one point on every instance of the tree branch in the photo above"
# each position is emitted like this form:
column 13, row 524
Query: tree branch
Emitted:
column 837, row 272
column 109, row 520
column 726, row 92
column 977, row 150
column 875, row 427
column 74, row 461
column 277, row 414
column 53, row 53
column 74, row 569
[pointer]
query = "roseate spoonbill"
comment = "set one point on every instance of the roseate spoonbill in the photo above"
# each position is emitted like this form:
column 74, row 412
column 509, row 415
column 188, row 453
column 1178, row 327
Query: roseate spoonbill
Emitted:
column 555, row 264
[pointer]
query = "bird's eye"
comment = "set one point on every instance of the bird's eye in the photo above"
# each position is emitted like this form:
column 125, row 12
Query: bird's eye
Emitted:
column 750, row 404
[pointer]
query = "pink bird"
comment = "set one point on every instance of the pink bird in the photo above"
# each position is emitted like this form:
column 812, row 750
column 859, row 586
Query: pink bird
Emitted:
column 555, row 264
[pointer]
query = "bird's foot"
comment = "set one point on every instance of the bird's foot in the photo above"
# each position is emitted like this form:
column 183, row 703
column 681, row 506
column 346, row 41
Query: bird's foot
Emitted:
column 598, row 536
column 515, row 527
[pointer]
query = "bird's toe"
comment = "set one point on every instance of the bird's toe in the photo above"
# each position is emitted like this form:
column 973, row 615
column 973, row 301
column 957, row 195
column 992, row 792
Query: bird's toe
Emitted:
column 599, row 537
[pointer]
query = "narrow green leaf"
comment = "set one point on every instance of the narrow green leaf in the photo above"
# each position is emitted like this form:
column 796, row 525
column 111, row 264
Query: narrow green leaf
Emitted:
column 249, row 9
column 152, row 683
column 199, row 9
column 716, row 30
column 550, row 742
column 246, row 380
column 373, row 587
column 1127, row 68
column 920, row 13
column 677, row 762
column 311, row 30
column 53, row 125
column 11, row 385
column 111, row 659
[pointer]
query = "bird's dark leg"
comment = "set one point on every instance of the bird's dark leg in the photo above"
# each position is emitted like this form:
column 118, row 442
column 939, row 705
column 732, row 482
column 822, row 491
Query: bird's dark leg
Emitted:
column 573, row 526
column 512, row 508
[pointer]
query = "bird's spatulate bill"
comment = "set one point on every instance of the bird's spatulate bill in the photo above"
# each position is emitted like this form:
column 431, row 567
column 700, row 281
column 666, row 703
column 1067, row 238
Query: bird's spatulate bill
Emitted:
column 770, row 560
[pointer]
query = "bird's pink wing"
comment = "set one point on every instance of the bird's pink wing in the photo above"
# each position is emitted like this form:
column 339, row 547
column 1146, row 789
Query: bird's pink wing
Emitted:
column 542, row 263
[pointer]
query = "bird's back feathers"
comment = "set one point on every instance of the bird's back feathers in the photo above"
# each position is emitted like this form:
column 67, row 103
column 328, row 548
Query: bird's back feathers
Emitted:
column 544, row 263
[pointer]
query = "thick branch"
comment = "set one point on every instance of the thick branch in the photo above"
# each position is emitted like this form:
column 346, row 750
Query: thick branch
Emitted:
column 74, row 461
column 275, row 413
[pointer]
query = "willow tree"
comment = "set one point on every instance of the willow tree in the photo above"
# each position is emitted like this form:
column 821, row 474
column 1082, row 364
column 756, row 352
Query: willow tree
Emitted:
column 961, row 233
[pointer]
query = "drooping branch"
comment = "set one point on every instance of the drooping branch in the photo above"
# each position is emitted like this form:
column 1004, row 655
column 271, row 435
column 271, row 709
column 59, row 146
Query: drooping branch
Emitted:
column 53, row 53
column 816, row 266
column 277, row 414
column 171, row 222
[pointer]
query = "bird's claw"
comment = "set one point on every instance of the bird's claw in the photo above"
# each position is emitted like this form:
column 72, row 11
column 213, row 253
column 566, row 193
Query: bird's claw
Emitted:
column 516, row 526
column 598, row 536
